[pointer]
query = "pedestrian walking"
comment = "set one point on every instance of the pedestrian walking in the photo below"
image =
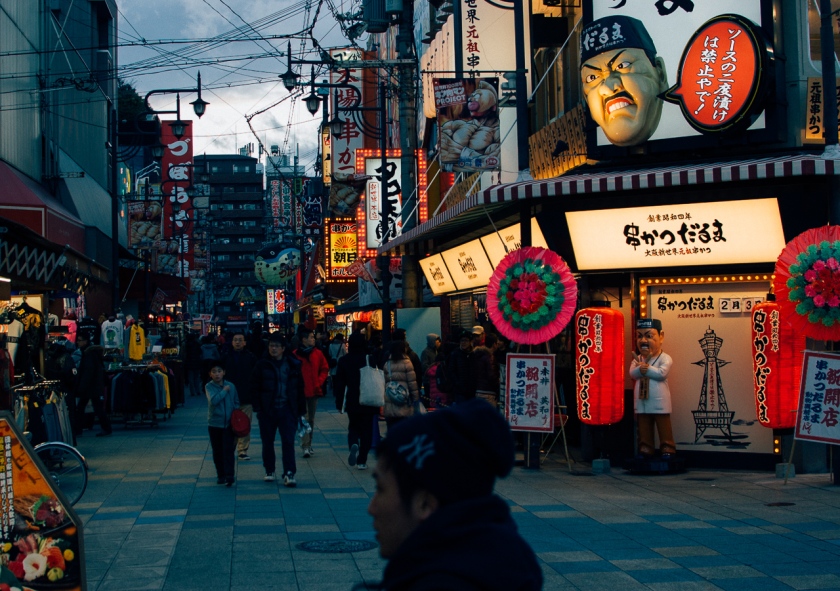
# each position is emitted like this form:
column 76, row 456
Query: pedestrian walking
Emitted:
column 91, row 386
column 222, row 398
column 437, row 521
column 278, row 399
column 315, row 369
column 347, row 392
column 239, row 365
column 399, row 369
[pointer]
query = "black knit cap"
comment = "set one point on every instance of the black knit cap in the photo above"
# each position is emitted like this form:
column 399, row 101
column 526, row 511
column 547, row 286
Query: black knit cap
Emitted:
column 455, row 453
column 276, row 337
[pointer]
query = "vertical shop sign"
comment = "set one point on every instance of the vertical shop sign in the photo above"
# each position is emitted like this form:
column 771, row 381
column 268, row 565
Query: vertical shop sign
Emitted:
column 529, row 387
column 340, row 248
column 378, row 198
column 351, row 138
column 814, row 128
column 818, row 415
column 274, row 196
column 176, row 166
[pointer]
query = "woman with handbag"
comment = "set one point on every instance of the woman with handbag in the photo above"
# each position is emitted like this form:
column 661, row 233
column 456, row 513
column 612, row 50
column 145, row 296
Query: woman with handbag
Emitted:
column 401, row 391
column 347, row 388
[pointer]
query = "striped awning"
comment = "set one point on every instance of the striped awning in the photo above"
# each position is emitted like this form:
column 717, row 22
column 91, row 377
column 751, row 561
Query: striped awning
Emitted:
column 614, row 181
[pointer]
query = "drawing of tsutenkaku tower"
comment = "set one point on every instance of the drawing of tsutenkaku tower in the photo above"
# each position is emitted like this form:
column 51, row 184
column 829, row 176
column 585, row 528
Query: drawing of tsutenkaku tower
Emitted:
column 712, row 411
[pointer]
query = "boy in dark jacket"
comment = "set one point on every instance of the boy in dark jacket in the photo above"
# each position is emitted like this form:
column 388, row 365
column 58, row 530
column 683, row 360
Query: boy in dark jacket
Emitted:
column 278, row 399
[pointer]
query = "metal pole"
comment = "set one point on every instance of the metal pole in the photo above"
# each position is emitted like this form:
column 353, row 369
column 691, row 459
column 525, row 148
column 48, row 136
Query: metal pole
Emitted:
column 115, row 212
column 522, row 119
column 384, row 261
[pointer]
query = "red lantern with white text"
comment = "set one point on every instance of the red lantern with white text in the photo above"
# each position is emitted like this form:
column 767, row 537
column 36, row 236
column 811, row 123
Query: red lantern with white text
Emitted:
column 599, row 365
column 777, row 366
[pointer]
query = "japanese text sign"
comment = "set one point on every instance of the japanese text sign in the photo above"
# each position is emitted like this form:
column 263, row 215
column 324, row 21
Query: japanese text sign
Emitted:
column 340, row 242
column 720, row 74
column 529, row 392
column 176, row 167
column 345, row 143
column 725, row 232
column 814, row 114
column 818, row 415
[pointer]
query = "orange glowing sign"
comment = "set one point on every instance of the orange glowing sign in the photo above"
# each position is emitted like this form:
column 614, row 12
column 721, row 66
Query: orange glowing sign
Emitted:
column 340, row 243
column 721, row 75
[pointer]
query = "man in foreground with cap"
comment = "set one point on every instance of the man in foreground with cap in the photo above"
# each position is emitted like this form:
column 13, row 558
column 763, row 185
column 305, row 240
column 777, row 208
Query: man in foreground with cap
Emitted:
column 650, row 370
column 436, row 518
column 622, row 78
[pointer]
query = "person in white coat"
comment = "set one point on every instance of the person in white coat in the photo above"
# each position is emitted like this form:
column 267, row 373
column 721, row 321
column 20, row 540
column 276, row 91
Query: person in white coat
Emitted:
column 650, row 369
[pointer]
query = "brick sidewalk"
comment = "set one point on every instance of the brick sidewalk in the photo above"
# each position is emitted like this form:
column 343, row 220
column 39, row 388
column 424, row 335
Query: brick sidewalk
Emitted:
column 155, row 519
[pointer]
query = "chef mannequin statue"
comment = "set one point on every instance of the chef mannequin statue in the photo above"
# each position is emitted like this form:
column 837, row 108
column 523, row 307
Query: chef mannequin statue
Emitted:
column 649, row 369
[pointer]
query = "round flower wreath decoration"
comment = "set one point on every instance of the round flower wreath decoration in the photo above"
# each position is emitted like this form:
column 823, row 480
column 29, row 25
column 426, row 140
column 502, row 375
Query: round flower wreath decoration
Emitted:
column 532, row 295
column 807, row 282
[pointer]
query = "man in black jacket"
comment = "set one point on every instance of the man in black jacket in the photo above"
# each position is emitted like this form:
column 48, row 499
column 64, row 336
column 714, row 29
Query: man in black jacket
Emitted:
column 459, row 370
column 239, row 365
column 437, row 521
column 278, row 399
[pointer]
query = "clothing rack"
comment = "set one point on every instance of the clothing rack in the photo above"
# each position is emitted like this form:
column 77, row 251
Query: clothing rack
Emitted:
column 146, row 417
column 47, row 400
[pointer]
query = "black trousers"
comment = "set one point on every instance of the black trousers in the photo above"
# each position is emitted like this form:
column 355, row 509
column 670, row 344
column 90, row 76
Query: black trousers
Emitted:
column 98, row 408
column 223, row 444
column 360, row 430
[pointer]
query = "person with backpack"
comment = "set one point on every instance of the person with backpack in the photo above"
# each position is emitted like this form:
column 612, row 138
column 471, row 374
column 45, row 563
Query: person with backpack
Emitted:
column 399, row 375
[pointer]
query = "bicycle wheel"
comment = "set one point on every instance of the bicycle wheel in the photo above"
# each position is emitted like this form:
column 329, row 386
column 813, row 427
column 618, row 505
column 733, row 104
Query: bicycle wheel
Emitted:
column 66, row 466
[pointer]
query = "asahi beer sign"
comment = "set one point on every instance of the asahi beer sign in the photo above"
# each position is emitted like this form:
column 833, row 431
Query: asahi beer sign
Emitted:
column 655, row 70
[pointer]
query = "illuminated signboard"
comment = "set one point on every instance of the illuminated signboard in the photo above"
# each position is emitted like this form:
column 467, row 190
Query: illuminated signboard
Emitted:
column 437, row 275
column 814, row 128
column 275, row 301
column 468, row 264
column 721, row 74
column 710, row 57
column 340, row 249
column 722, row 233
column 350, row 138
column 498, row 244
column 369, row 163
column 176, row 173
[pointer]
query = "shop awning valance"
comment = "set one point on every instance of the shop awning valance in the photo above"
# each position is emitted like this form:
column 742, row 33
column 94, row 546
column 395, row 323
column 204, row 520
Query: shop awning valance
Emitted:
column 470, row 215
column 24, row 201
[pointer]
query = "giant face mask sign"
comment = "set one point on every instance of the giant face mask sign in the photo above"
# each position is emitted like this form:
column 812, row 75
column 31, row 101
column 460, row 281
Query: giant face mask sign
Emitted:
column 654, row 71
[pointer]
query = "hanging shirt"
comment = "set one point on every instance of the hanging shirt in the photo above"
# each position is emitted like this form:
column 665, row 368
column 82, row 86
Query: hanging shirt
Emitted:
column 136, row 342
column 112, row 334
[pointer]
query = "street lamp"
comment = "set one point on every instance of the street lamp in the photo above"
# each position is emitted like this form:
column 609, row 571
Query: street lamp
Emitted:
column 336, row 126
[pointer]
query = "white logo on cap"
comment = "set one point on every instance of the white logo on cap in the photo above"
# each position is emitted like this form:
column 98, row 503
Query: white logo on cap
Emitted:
column 417, row 450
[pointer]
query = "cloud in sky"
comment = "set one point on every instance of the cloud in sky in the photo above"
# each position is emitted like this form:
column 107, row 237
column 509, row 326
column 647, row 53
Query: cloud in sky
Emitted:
column 231, row 44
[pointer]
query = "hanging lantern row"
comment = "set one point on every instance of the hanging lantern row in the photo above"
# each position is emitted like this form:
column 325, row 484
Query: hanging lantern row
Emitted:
column 599, row 365
column 777, row 366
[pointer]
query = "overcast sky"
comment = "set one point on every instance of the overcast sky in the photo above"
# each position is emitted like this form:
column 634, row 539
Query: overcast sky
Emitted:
column 239, row 78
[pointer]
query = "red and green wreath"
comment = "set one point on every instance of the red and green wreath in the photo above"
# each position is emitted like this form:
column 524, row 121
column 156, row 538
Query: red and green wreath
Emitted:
column 807, row 282
column 531, row 296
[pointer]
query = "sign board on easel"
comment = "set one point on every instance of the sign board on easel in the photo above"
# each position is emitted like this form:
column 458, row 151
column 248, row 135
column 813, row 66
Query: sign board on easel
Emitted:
column 818, row 415
column 529, row 398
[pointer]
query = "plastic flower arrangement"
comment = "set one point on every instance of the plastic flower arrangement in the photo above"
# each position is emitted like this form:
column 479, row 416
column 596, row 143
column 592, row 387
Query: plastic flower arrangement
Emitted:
column 807, row 282
column 531, row 296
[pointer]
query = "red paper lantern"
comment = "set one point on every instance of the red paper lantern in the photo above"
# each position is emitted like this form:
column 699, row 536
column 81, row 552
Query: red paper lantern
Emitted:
column 599, row 365
column 777, row 366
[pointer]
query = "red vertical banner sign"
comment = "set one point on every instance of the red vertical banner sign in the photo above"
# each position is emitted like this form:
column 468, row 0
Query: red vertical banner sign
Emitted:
column 176, row 175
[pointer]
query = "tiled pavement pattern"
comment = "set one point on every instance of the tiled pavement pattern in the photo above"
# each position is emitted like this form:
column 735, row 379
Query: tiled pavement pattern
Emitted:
column 155, row 519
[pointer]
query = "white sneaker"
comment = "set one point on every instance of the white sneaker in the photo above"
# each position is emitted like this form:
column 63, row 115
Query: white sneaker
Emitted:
column 270, row 477
column 289, row 480
column 361, row 466
column 307, row 451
